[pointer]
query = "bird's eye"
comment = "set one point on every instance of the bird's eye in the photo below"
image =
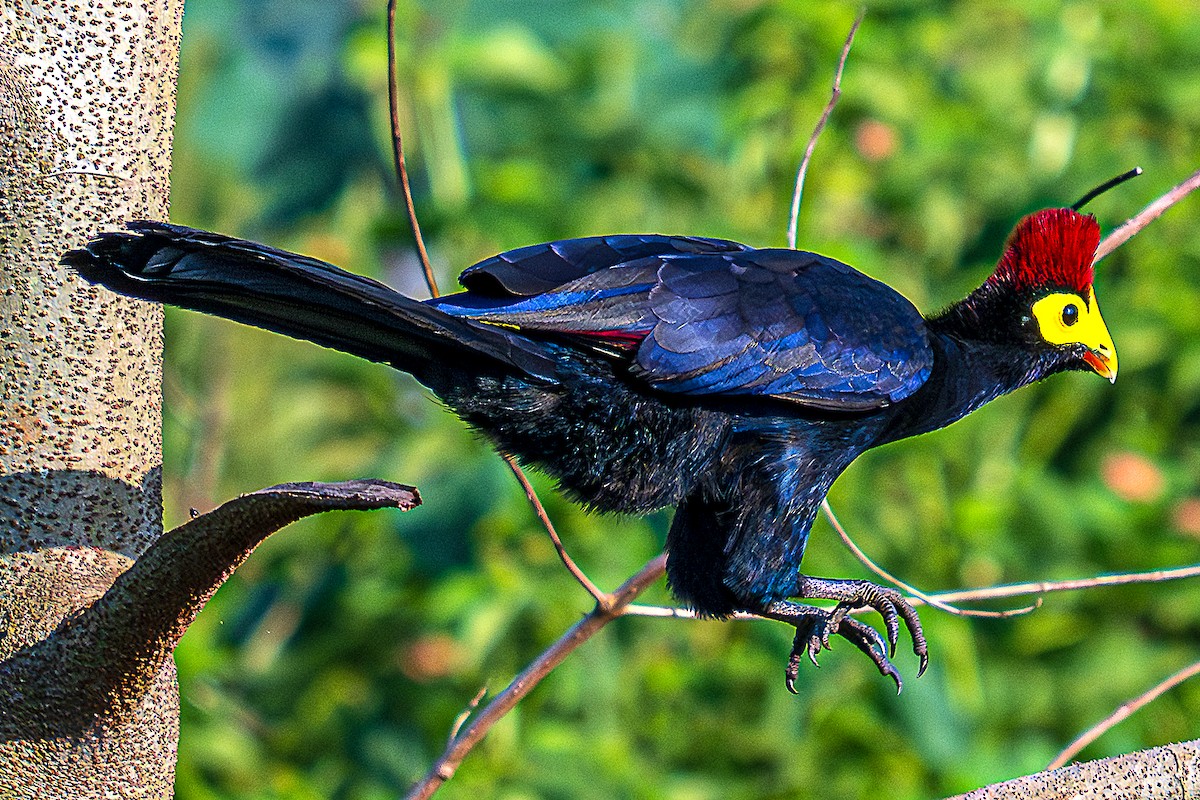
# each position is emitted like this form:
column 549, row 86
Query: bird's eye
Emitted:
column 1070, row 314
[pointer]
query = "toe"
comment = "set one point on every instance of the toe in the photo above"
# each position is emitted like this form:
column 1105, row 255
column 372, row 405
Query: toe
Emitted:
column 891, row 622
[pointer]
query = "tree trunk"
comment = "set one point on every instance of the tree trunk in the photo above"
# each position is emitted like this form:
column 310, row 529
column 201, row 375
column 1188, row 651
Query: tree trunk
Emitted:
column 87, row 104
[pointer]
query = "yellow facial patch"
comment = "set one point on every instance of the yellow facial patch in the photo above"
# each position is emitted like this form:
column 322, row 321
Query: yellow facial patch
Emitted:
column 1066, row 318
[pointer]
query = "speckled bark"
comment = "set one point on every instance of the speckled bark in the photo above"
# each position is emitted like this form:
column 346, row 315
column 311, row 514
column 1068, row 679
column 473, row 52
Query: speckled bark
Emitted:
column 1170, row 772
column 86, row 110
column 93, row 598
column 100, row 664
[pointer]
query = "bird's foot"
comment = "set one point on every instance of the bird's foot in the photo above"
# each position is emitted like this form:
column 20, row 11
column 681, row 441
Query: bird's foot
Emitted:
column 814, row 626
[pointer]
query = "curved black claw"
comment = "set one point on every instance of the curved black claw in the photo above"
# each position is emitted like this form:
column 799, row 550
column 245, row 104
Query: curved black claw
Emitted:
column 891, row 605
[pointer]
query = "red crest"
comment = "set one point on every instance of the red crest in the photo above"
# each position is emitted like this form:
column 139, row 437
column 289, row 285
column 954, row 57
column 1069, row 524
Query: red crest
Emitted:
column 1054, row 247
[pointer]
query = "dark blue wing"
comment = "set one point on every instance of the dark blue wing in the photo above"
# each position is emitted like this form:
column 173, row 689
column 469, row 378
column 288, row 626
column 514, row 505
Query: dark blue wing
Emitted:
column 595, row 287
column 545, row 267
column 706, row 316
column 783, row 323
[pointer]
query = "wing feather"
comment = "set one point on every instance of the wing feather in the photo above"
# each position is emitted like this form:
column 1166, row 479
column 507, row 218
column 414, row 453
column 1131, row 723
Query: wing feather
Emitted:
column 708, row 316
column 783, row 323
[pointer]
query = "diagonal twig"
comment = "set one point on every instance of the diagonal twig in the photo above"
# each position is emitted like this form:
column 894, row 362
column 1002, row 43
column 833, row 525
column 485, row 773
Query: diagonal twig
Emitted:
column 1074, row 584
column 398, row 149
column 540, row 510
column 465, row 715
column 912, row 590
column 1147, row 215
column 431, row 282
column 816, row 134
column 458, row 748
column 1123, row 712
column 793, row 222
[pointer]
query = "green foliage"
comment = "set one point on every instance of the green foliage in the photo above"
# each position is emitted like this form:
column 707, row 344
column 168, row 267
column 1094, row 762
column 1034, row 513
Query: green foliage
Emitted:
column 334, row 662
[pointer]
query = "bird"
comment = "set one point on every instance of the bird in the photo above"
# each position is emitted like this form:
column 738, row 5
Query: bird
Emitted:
column 642, row 372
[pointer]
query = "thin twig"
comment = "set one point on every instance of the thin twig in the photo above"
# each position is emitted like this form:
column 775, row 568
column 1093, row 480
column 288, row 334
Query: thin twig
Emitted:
column 1045, row 587
column 675, row 612
column 445, row 767
column 928, row 598
column 797, row 193
column 812, row 140
column 431, row 282
column 465, row 715
column 568, row 562
column 982, row 593
column 668, row 612
column 398, row 149
column 1147, row 215
column 1121, row 714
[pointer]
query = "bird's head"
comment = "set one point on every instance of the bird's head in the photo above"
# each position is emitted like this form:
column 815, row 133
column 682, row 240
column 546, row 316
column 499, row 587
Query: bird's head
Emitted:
column 1048, row 264
column 1040, row 296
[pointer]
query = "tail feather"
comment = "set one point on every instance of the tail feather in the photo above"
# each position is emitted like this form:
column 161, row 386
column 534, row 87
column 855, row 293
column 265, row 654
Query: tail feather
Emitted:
column 295, row 295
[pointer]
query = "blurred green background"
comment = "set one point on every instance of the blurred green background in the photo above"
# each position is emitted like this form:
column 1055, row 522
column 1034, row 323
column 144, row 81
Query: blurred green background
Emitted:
column 334, row 662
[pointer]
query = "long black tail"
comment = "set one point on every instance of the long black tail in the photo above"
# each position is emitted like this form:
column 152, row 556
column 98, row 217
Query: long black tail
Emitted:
column 297, row 296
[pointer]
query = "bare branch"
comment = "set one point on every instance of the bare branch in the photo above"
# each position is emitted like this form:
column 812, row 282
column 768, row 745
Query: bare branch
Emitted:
column 982, row 593
column 398, row 150
column 917, row 593
column 617, row 602
column 540, row 510
column 1121, row 714
column 133, row 628
column 1147, row 215
column 1045, row 587
column 812, row 140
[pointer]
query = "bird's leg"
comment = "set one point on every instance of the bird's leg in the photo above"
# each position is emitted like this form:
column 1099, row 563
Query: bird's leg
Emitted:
column 814, row 626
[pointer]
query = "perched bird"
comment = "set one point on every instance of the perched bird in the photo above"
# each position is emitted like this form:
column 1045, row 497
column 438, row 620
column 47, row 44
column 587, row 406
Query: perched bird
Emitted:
column 642, row 372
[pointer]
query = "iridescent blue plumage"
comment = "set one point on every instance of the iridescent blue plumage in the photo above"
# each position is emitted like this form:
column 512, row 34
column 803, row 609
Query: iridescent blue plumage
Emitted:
column 703, row 316
column 541, row 268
